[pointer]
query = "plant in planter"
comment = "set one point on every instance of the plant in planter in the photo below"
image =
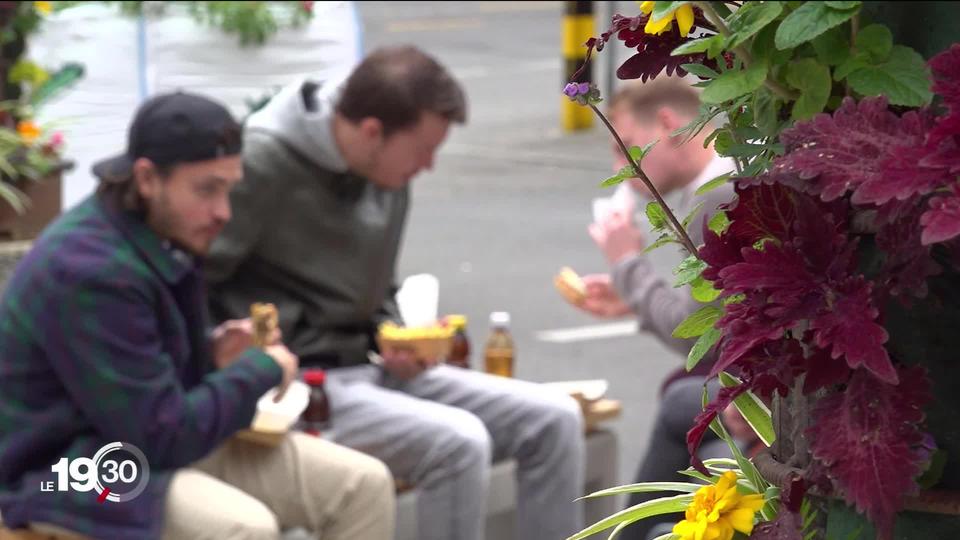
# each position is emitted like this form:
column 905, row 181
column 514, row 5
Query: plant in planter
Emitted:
column 834, row 271
column 30, row 155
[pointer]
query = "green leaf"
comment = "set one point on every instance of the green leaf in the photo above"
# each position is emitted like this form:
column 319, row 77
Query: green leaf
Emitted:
column 832, row 46
column 702, row 290
column 719, row 223
column 713, row 184
column 656, row 507
column 766, row 112
column 904, row 79
column 765, row 49
column 668, row 536
column 616, row 531
column 876, row 41
column 750, row 19
column 699, row 45
column 656, row 215
column 702, row 347
column 662, row 241
column 700, row 70
column 745, row 150
column 843, row 5
column 693, row 473
column 723, row 141
column 813, row 80
column 858, row 61
column 747, row 468
column 809, row 21
column 733, row 84
column 645, row 487
column 693, row 213
column 934, row 472
column 623, row 174
column 638, row 153
column 14, row 197
column 64, row 78
column 753, row 410
column 664, row 9
column 698, row 323
column 689, row 270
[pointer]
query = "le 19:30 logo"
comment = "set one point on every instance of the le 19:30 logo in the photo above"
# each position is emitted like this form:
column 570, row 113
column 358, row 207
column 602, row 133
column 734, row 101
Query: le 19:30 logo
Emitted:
column 118, row 472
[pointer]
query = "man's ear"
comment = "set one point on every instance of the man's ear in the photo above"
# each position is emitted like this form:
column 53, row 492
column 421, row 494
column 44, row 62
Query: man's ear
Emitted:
column 145, row 177
column 371, row 129
column 668, row 120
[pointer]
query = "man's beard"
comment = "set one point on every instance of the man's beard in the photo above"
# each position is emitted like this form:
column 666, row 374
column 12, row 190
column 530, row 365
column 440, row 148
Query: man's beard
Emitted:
column 163, row 220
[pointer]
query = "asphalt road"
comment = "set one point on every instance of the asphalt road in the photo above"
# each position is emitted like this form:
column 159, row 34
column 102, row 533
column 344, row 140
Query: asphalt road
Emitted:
column 509, row 199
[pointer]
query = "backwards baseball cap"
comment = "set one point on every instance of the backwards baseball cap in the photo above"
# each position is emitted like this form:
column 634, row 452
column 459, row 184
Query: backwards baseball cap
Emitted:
column 174, row 128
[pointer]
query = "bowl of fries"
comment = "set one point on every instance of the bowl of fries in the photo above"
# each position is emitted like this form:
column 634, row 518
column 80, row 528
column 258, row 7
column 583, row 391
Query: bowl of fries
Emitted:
column 426, row 342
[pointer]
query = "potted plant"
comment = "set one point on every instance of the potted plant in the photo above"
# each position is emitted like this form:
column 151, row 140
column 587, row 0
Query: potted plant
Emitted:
column 832, row 280
column 31, row 157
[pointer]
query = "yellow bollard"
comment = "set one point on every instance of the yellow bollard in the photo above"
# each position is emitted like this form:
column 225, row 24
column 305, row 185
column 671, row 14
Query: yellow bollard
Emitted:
column 578, row 27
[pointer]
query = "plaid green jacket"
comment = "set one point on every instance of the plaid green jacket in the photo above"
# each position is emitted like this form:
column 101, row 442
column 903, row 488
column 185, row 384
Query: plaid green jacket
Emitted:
column 102, row 339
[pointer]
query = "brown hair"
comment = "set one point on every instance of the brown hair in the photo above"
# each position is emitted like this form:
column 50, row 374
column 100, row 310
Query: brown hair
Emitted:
column 123, row 194
column 396, row 85
column 644, row 99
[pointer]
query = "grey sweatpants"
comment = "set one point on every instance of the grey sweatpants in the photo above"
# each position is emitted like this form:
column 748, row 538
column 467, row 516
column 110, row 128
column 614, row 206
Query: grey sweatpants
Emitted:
column 441, row 432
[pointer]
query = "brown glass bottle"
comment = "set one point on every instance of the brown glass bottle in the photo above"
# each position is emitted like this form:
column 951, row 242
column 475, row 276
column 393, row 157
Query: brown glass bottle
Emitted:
column 498, row 353
column 460, row 350
column 316, row 417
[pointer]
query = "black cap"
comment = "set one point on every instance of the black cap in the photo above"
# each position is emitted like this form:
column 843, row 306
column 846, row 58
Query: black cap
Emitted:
column 174, row 128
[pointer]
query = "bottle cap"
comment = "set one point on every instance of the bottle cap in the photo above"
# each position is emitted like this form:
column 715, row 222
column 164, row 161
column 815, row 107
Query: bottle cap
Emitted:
column 315, row 377
column 499, row 319
column 458, row 322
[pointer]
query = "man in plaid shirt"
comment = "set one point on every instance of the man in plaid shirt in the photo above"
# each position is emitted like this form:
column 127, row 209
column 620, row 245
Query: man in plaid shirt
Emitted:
column 103, row 337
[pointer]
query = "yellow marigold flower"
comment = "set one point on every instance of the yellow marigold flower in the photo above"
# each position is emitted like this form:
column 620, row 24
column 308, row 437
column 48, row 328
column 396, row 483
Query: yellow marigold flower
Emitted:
column 683, row 15
column 44, row 7
column 718, row 510
column 29, row 131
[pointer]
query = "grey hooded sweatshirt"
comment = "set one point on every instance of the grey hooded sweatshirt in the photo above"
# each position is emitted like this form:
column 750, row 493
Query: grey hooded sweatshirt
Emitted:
column 318, row 241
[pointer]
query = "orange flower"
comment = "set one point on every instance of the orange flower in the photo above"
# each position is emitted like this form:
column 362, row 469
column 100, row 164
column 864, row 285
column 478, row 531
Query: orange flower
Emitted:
column 45, row 8
column 29, row 131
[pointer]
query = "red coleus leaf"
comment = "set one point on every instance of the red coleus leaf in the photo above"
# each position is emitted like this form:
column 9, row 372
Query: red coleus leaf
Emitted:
column 773, row 366
column 849, row 329
column 942, row 221
column 744, row 327
column 762, row 211
column 787, row 526
column 868, row 438
column 702, row 422
column 823, row 371
column 831, row 155
column 719, row 252
column 946, row 75
column 907, row 262
column 653, row 51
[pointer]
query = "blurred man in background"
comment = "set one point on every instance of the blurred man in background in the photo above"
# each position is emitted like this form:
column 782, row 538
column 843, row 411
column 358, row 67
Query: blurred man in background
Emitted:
column 641, row 113
column 318, row 234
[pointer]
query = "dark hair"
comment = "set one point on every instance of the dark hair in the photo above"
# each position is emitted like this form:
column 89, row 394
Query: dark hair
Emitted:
column 396, row 85
column 124, row 194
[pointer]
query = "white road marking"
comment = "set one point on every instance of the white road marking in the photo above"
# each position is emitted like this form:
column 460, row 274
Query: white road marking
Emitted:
column 586, row 333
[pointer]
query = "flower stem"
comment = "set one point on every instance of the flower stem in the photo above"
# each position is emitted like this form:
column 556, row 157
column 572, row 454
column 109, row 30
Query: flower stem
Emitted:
column 717, row 21
column 678, row 228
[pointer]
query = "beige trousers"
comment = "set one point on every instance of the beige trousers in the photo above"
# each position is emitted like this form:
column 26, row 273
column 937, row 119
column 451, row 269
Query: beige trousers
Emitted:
column 247, row 491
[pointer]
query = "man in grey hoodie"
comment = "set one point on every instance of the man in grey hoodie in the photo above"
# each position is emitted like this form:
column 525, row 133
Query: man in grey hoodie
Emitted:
column 319, row 221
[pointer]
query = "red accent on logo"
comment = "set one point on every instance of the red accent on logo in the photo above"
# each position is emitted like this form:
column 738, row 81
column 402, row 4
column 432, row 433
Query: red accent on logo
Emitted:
column 103, row 496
